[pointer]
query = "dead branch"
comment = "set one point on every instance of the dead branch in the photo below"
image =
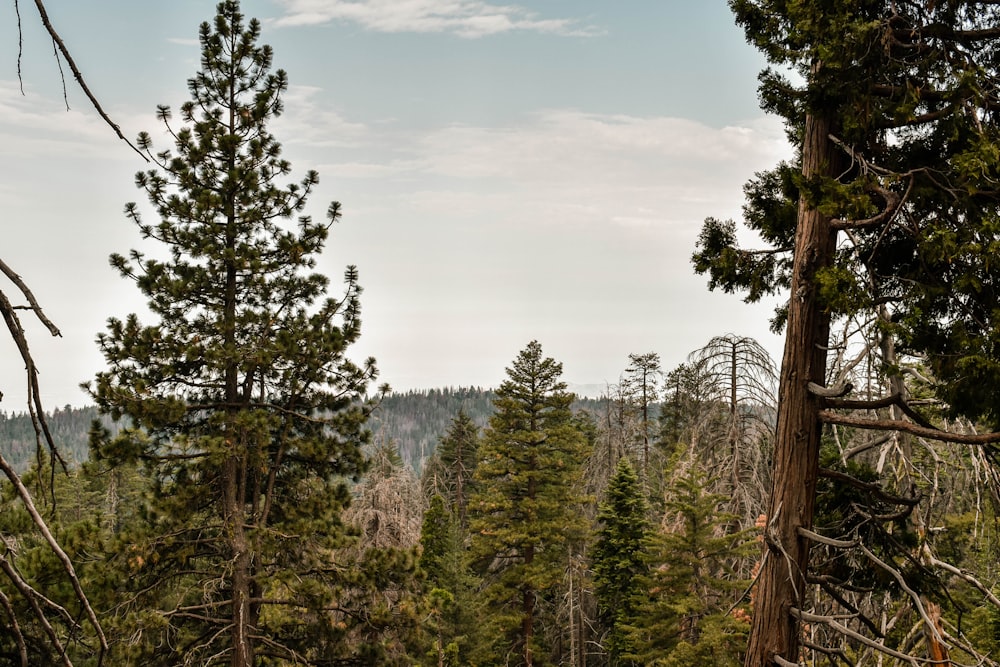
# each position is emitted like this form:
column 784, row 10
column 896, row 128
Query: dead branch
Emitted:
column 914, row 597
column 893, row 400
column 830, row 392
column 22, row 647
column 829, row 541
column 869, row 487
column 64, row 559
column 826, row 650
column 831, row 417
column 831, row 622
column 31, row 595
column 965, row 576
column 58, row 42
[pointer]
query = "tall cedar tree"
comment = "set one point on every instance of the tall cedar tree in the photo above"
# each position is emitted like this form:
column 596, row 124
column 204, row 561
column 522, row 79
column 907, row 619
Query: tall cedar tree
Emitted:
column 245, row 413
column 619, row 559
column 522, row 516
column 891, row 207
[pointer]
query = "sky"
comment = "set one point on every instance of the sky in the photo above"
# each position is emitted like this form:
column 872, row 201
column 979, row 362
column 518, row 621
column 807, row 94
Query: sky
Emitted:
column 509, row 170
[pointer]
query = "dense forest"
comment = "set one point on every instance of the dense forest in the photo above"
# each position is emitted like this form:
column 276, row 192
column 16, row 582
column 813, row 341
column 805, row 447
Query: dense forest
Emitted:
column 242, row 493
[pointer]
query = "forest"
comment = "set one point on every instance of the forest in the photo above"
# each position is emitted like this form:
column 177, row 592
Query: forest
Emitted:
column 242, row 492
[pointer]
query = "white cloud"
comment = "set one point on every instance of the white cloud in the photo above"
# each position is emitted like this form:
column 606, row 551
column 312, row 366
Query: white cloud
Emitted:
column 467, row 18
column 36, row 125
column 307, row 121
column 654, row 174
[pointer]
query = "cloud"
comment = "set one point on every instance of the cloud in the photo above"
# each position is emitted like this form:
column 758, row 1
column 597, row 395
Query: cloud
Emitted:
column 466, row 18
column 657, row 175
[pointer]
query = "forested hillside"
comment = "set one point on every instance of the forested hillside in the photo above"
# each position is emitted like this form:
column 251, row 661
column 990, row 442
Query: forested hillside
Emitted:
column 414, row 421
column 70, row 428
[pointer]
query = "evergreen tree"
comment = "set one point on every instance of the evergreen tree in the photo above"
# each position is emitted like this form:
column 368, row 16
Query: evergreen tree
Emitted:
column 449, row 589
column 692, row 583
column 642, row 375
column 619, row 560
column 451, row 469
column 522, row 516
column 246, row 416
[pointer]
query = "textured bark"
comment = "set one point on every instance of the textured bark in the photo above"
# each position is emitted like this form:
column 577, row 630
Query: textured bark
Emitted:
column 796, row 451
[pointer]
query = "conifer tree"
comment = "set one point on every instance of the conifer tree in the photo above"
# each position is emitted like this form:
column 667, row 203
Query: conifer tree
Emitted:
column 691, row 583
column 619, row 559
column 451, row 469
column 889, row 216
column 245, row 413
column 522, row 516
column 449, row 588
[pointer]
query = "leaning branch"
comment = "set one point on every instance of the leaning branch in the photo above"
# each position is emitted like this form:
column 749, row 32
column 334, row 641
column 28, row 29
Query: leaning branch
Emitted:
column 64, row 559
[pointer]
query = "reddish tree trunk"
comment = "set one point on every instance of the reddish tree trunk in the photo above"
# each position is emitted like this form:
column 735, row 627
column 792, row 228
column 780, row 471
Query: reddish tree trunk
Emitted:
column 796, row 450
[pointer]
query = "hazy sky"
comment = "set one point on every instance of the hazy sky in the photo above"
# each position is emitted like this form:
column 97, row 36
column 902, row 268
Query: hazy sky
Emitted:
column 509, row 170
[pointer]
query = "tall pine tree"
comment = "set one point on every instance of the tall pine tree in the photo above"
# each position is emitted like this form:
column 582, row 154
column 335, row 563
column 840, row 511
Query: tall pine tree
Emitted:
column 245, row 413
column 522, row 516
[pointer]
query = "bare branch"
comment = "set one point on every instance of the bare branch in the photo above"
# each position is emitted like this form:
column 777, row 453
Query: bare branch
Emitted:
column 831, row 417
column 37, row 309
column 57, row 40
column 64, row 559
column 831, row 622
column 830, row 392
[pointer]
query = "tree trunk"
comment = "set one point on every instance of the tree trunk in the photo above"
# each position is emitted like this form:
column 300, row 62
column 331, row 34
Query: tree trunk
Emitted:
column 797, row 438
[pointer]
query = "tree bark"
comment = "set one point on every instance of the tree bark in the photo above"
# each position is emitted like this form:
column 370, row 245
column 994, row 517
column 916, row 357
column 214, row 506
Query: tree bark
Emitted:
column 796, row 451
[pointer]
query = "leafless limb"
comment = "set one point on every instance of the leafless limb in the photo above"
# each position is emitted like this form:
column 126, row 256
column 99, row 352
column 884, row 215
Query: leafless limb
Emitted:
column 64, row 559
column 831, row 417
column 833, row 623
column 32, row 596
column 15, row 627
column 61, row 46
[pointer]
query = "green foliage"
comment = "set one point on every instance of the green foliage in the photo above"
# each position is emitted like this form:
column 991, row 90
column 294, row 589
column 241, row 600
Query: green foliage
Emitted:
column 418, row 420
column 245, row 414
column 523, row 516
column 619, row 559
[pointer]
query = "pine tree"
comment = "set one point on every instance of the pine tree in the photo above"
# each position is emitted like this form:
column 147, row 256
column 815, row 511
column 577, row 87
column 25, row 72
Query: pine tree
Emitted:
column 522, row 516
column 642, row 375
column 245, row 414
column 619, row 559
